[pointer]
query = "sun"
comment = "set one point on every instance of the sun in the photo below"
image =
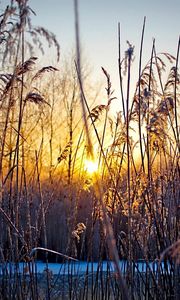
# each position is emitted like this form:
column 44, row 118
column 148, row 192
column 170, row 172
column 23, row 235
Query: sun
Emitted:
column 90, row 166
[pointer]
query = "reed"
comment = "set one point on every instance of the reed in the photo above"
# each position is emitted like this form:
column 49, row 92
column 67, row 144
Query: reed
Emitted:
column 73, row 188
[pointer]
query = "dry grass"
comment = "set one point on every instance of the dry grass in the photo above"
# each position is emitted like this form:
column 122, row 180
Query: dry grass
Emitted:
column 129, row 209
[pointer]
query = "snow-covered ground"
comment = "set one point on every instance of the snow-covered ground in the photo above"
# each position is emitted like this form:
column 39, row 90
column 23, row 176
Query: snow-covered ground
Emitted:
column 77, row 268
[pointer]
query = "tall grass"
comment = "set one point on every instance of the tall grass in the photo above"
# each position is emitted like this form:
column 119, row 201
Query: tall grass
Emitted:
column 51, row 207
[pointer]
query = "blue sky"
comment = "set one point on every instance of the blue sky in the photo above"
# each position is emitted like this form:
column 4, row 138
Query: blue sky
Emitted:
column 98, row 27
column 99, row 18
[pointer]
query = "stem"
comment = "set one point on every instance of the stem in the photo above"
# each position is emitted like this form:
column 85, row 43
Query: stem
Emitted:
column 148, row 136
column 120, row 70
column 139, row 121
column 175, row 95
column 128, row 162
column 17, row 154
column 78, row 56
column 51, row 135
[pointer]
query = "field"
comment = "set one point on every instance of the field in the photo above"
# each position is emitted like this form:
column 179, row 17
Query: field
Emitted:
column 80, row 184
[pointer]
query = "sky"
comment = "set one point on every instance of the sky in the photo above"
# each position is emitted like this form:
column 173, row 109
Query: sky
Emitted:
column 98, row 25
column 98, row 28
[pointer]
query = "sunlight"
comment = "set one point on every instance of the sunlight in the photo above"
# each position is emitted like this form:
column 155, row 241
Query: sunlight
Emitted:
column 90, row 166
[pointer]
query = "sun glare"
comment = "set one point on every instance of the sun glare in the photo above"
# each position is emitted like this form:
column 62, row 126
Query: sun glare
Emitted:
column 90, row 166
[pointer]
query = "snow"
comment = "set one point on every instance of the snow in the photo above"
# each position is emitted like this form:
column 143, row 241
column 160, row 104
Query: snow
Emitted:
column 77, row 268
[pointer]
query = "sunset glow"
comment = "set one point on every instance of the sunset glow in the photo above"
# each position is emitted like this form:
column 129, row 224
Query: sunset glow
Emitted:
column 90, row 166
column 89, row 149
